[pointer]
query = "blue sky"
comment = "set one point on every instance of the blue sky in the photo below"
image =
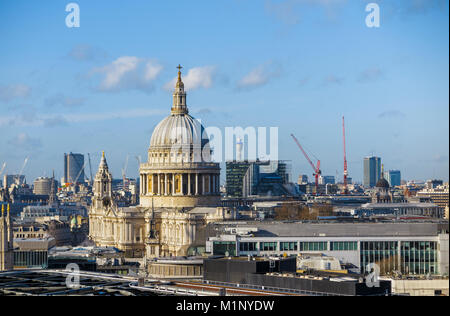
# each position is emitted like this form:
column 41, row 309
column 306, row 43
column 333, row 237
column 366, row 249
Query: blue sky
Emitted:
column 296, row 64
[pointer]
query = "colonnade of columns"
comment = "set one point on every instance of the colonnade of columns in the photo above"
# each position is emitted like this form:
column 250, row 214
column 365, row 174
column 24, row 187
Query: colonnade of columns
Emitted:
column 178, row 233
column 180, row 184
column 104, row 229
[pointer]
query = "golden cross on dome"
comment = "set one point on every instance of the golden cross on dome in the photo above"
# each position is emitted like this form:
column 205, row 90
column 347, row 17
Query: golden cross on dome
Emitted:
column 179, row 67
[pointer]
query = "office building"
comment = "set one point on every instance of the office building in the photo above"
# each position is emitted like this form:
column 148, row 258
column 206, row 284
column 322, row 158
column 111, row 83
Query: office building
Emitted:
column 372, row 171
column 327, row 180
column 73, row 168
column 393, row 177
column 302, row 179
column 251, row 178
column 409, row 247
column 235, row 172
column 32, row 253
column 438, row 194
column 43, row 185
column 279, row 274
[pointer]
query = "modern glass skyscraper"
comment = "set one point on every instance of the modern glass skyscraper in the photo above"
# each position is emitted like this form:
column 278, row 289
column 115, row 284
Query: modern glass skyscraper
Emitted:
column 245, row 178
column 393, row 177
column 73, row 168
column 372, row 171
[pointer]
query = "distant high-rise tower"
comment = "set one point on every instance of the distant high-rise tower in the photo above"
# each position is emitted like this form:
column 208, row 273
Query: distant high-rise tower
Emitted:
column 393, row 177
column 6, row 240
column 302, row 179
column 43, row 185
column 239, row 145
column 372, row 171
column 73, row 168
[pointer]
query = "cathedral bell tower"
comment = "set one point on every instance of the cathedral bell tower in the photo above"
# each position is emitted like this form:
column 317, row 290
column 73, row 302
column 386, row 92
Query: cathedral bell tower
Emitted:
column 102, row 185
column 53, row 199
column 179, row 96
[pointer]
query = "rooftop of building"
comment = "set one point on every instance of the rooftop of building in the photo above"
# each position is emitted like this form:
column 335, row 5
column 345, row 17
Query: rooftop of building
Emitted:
column 250, row 258
column 25, row 244
column 86, row 252
column 334, row 229
column 48, row 282
column 399, row 205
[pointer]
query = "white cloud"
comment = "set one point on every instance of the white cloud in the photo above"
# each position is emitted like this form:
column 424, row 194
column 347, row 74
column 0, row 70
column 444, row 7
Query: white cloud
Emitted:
column 64, row 119
column 22, row 140
column 259, row 76
column 128, row 73
column 84, row 52
column 10, row 92
column 198, row 77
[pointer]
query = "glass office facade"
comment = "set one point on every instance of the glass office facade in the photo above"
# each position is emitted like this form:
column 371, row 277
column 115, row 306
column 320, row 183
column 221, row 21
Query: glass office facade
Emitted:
column 343, row 245
column 268, row 246
column 313, row 246
column 383, row 253
column 288, row 246
column 222, row 247
column 415, row 257
column 419, row 257
column 235, row 172
column 31, row 259
column 248, row 246
column 372, row 171
column 410, row 257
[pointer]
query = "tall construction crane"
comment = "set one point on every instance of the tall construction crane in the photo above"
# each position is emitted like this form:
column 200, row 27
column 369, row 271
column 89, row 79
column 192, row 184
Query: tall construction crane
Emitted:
column 3, row 168
column 124, row 170
column 345, row 159
column 21, row 171
column 138, row 158
column 316, row 168
column 79, row 174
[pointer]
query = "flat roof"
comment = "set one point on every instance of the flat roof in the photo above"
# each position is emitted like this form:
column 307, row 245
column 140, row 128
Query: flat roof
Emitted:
column 308, row 229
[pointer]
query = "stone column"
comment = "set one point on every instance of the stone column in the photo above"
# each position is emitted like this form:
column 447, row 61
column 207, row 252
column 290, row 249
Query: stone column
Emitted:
column 143, row 184
column 166, row 183
column 173, row 184
column 181, row 184
column 153, row 184
column 159, row 183
column 203, row 183
column 213, row 183
column 196, row 184
column 146, row 184
column 189, row 184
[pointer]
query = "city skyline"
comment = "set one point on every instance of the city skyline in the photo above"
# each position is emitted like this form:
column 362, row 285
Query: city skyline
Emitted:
column 105, row 85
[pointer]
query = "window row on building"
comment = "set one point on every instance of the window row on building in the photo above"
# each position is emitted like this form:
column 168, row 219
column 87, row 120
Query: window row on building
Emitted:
column 420, row 257
column 287, row 246
column 31, row 259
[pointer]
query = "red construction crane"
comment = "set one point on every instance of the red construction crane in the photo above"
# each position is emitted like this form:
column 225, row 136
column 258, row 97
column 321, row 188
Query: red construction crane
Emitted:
column 345, row 159
column 316, row 169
